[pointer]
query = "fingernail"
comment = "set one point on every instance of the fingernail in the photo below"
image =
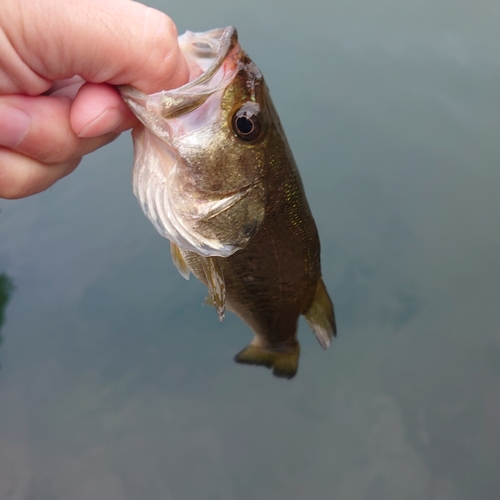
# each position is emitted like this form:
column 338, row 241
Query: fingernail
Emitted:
column 14, row 125
column 106, row 122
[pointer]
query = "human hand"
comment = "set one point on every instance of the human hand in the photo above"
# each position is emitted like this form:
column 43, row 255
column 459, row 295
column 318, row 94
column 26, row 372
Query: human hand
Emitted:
column 44, row 44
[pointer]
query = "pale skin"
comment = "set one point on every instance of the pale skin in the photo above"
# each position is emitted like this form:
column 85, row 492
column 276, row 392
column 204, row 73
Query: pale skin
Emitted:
column 43, row 43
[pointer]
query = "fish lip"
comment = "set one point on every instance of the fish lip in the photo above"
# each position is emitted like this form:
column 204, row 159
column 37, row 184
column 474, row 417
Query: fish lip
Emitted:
column 227, row 41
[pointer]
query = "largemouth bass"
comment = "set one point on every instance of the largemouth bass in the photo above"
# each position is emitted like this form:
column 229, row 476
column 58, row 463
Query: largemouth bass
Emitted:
column 214, row 173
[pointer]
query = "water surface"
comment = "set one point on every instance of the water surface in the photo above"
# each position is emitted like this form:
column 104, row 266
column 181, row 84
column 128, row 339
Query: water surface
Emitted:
column 117, row 382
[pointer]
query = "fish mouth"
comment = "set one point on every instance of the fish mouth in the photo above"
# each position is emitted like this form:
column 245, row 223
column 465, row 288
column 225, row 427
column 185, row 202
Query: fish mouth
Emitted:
column 214, row 45
column 212, row 58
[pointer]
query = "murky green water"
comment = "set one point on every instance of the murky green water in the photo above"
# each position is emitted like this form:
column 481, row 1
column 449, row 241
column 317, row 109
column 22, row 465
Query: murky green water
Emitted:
column 117, row 383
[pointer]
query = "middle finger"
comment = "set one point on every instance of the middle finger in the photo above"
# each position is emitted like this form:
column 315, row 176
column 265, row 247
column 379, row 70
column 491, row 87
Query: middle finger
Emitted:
column 39, row 127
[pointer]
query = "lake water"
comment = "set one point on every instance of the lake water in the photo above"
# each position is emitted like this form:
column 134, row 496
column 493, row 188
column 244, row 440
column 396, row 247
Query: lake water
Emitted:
column 118, row 384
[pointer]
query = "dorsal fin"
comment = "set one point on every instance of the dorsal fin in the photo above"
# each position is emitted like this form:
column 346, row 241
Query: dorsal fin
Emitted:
column 321, row 317
column 215, row 283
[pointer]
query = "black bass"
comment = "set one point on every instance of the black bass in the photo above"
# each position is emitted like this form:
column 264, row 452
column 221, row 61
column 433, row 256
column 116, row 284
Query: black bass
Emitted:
column 214, row 174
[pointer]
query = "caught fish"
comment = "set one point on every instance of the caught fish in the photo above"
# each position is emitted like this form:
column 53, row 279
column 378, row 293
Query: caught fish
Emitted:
column 214, row 173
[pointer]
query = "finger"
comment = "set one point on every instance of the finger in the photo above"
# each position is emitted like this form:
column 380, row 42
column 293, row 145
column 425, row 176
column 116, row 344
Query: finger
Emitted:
column 115, row 41
column 21, row 176
column 99, row 109
column 39, row 127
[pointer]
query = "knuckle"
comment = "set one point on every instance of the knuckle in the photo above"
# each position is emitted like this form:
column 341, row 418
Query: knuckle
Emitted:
column 12, row 176
column 9, row 194
column 13, row 190
column 21, row 176
column 59, row 151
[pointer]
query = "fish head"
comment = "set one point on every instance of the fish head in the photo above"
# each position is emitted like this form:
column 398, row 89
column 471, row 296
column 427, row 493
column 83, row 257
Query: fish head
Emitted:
column 202, row 151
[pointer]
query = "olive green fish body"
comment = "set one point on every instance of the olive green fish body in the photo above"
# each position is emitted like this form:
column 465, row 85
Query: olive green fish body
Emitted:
column 273, row 279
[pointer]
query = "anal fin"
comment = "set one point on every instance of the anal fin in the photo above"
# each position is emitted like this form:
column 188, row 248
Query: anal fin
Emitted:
column 321, row 317
column 209, row 302
column 283, row 364
column 215, row 283
column 179, row 261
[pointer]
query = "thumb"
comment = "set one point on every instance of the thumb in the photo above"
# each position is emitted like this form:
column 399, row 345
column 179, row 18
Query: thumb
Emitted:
column 112, row 41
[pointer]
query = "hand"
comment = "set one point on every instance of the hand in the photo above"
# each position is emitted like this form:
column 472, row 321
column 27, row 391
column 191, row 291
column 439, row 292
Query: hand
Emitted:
column 52, row 46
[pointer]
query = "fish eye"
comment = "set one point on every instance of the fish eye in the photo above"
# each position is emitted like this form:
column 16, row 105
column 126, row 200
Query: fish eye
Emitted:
column 246, row 125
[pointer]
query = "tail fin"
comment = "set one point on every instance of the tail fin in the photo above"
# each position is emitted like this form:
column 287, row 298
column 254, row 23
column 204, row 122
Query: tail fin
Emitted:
column 284, row 364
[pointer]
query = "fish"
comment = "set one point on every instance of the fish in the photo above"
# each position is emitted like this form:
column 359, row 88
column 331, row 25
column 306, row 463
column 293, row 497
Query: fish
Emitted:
column 214, row 173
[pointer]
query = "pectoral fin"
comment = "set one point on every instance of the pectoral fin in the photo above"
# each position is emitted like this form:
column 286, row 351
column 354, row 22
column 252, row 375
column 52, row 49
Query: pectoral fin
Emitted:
column 215, row 283
column 179, row 261
column 321, row 317
column 283, row 364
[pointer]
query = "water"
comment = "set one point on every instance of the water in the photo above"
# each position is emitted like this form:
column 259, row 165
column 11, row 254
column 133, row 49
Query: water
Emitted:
column 118, row 383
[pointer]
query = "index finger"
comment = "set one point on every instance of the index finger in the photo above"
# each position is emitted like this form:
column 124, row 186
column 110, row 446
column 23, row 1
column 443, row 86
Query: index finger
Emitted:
column 113, row 41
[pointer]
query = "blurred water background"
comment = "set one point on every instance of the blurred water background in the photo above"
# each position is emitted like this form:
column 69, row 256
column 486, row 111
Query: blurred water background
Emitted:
column 118, row 384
